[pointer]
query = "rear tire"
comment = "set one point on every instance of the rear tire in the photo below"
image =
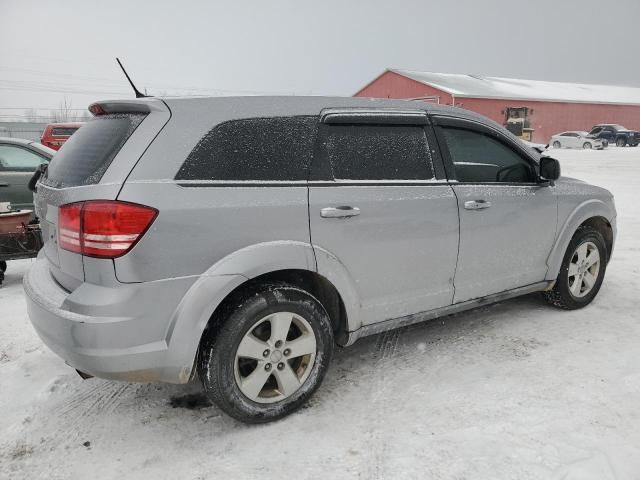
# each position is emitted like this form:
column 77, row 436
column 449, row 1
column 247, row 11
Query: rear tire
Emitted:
column 3, row 266
column 580, row 278
column 268, row 354
column 556, row 144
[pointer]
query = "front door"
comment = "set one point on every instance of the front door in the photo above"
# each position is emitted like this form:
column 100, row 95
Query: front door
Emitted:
column 380, row 212
column 507, row 218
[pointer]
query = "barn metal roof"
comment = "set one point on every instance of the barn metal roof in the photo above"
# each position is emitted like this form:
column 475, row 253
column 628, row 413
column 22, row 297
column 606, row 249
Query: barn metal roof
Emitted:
column 476, row 86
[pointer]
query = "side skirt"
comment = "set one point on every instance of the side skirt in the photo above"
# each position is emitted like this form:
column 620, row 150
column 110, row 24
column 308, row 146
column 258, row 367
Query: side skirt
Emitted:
column 380, row 327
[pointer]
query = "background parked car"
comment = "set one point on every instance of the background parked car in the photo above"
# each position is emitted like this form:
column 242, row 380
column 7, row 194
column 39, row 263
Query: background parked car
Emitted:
column 538, row 147
column 616, row 134
column 576, row 139
column 18, row 160
column 55, row 134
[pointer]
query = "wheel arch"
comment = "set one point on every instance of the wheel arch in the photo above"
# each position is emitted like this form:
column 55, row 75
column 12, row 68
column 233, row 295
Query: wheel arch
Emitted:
column 245, row 269
column 594, row 213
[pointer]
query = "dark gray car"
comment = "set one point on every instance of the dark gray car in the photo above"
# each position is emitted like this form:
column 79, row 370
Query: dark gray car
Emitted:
column 18, row 160
column 240, row 239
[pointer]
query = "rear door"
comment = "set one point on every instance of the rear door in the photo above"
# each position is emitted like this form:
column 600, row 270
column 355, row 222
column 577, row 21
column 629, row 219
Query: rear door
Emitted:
column 17, row 165
column 377, row 206
column 507, row 219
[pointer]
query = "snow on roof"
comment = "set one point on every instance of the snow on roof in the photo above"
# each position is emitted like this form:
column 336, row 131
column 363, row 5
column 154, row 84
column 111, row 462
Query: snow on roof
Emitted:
column 476, row 86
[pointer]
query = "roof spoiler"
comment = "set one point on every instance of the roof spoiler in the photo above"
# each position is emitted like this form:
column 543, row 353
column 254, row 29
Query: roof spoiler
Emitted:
column 118, row 106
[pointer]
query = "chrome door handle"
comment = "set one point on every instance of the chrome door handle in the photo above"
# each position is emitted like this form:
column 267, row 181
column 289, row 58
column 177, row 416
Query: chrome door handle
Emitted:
column 476, row 204
column 4, row 184
column 339, row 212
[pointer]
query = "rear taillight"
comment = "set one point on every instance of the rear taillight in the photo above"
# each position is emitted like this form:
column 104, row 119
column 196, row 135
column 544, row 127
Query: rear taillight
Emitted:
column 102, row 228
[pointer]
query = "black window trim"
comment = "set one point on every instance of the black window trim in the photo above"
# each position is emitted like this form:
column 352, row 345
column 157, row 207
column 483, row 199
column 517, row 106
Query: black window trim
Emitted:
column 30, row 150
column 440, row 121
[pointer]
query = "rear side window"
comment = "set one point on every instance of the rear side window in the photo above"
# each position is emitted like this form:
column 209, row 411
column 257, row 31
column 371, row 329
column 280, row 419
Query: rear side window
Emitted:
column 88, row 153
column 63, row 131
column 378, row 152
column 258, row 149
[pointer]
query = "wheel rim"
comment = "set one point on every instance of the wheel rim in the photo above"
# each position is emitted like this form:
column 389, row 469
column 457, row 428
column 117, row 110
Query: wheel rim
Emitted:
column 275, row 357
column 583, row 269
column 556, row 144
column 586, row 145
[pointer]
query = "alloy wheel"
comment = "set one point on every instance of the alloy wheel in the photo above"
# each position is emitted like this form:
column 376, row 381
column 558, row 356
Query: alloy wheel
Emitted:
column 583, row 269
column 275, row 357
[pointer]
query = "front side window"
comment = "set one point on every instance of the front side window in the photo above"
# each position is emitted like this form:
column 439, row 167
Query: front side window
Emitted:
column 479, row 158
column 595, row 131
column 18, row 159
column 377, row 152
column 253, row 149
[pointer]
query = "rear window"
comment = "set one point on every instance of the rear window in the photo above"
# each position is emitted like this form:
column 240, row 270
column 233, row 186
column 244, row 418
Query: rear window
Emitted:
column 88, row 153
column 63, row 131
column 253, row 149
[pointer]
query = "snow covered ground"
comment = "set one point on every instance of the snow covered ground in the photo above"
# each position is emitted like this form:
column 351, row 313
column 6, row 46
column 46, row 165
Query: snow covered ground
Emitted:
column 517, row 390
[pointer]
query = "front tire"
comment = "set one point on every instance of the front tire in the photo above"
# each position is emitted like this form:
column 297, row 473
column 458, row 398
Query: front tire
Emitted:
column 587, row 145
column 621, row 142
column 582, row 271
column 269, row 354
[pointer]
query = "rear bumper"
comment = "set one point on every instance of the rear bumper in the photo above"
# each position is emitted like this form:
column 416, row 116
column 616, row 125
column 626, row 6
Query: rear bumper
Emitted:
column 121, row 332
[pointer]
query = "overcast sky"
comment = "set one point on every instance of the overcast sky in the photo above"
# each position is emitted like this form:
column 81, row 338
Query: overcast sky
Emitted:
column 52, row 50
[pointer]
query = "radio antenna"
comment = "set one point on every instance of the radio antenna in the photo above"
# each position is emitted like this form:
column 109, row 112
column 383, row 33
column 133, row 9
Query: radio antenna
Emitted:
column 136, row 91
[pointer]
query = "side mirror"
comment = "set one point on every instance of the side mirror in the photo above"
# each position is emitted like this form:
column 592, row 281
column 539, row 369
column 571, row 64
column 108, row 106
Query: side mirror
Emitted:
column 549, row 169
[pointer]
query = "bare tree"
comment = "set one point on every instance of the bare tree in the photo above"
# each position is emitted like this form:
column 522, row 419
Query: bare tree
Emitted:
column 64, row 113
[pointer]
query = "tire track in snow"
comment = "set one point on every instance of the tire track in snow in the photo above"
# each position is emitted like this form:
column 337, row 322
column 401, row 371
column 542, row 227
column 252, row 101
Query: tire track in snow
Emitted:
column 378, row 408
column 74, row 421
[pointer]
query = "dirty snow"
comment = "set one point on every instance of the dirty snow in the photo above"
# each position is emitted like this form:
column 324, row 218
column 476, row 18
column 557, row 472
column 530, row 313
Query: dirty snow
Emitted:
column 516, row 390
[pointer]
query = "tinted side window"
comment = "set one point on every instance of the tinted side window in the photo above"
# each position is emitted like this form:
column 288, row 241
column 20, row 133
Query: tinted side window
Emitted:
column 480, row 158
column 19, row 159
column 263, row 149
column 378, row 152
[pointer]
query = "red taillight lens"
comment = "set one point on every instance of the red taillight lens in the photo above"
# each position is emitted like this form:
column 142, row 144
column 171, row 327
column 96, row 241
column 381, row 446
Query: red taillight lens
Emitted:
column 69, row 227
column 103, row 228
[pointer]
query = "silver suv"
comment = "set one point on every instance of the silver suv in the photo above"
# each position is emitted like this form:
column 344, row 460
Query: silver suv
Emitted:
column 239, row 239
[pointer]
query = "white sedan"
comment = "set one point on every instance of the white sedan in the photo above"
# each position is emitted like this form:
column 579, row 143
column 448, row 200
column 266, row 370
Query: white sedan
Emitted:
column 576, row 139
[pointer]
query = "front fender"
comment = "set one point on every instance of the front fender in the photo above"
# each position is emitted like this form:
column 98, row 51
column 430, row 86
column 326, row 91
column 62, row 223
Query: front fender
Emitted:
column 585, row 210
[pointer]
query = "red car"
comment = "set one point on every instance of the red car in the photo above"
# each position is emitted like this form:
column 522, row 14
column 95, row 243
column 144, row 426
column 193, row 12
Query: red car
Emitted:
column 55, row 134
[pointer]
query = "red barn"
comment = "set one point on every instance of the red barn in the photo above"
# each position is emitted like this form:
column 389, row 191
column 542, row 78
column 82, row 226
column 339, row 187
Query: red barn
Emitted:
column 532, row 109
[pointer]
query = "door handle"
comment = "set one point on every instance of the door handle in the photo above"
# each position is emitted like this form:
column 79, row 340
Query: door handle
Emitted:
column 4, row 184
column 476, row 204
column 339, row 212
